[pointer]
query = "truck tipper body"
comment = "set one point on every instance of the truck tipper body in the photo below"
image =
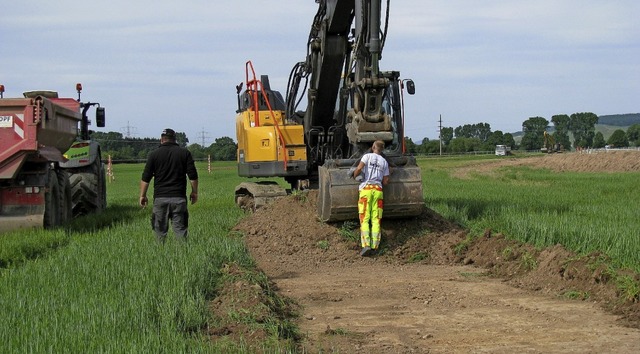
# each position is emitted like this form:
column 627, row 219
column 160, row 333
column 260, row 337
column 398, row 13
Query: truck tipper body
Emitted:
column 35, row 132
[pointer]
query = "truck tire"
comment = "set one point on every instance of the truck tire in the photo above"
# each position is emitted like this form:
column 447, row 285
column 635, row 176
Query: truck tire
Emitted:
column 65, row 196
column 84, row 193
column 52, row 201
column 88, row 190
column 103, row 187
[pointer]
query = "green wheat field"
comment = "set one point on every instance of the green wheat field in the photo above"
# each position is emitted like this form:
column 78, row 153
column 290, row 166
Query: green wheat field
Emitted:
column 102, row 283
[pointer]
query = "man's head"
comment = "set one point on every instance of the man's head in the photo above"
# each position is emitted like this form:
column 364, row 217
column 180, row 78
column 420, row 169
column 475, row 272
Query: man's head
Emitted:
column 168, row 135
column 378, row 146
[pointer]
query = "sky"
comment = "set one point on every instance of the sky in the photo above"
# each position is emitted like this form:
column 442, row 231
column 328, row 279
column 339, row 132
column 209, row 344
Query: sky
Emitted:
column 175, row 64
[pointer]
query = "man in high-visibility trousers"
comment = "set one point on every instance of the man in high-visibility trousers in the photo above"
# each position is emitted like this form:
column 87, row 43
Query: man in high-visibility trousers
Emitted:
column 370, row 197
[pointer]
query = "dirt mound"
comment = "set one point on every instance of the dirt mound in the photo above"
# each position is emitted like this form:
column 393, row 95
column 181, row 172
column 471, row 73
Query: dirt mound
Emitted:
column 290, row 227
column 594, row 161
column 428, row 273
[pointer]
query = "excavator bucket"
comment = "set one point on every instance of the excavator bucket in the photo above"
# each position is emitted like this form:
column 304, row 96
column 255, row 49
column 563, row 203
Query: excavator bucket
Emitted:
column 338, row 194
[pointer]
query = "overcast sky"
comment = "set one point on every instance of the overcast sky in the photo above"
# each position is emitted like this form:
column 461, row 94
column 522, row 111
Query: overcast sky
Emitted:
column 157, row 64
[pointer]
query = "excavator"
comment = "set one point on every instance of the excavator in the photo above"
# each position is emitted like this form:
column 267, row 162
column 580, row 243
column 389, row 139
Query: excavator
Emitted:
column 549, row 144
column 350, row 103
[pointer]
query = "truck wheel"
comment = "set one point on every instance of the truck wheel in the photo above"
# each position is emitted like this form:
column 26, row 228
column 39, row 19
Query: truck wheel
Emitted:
column 65, row 196
column 84, row 193
column 103, row 187
column 88, row 189
column 52, row 201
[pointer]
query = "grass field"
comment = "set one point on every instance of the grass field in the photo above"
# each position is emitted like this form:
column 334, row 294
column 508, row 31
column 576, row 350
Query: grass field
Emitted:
column 103, row 284
column 584, row 212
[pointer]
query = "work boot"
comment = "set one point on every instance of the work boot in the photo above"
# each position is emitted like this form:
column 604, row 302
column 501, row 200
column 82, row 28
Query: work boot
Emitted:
column 365, row 251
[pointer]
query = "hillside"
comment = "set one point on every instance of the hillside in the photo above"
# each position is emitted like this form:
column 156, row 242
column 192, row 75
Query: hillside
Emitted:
column 620, row 120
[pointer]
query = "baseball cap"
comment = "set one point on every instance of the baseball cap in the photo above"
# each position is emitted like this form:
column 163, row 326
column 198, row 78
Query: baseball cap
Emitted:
column 169, row 133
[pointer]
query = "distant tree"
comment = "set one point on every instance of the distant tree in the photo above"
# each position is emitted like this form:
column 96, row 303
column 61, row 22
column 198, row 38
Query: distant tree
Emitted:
column 561, row 134
column 598, row 141
column 223, row 149
column 420, row 149
column 142, row 154
column 496, row 138
column 446, row 134
column 480, row 131
column 618, row 139
column 181, row 139
column 197, row 151
column 429, row 146
column 433, row 147
column 461, row 145
column 507, row 139
column 561, row 122
column 109, row 141
column 117, row 146
column 633, row 134
column 483, row 131
column 582, row 125
column 533, row 129
column 463, row 131
column 410, row 146
column 124, row 153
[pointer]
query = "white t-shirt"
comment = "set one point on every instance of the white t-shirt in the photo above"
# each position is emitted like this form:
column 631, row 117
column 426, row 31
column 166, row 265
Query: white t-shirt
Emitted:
column 375, row 168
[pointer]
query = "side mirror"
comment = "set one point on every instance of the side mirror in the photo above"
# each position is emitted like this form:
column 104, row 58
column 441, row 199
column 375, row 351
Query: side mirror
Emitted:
column 411, row 87
column 100, row 117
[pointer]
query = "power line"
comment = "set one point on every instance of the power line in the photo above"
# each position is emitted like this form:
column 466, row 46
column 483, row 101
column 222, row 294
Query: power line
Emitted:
column 129, row 131
column 202, row 136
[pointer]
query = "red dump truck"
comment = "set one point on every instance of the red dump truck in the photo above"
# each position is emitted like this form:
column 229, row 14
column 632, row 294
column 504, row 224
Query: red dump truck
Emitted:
column 36, row 132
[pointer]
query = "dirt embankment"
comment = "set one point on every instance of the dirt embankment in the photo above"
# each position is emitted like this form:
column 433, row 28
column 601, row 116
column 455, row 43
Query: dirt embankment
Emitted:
column 429, row 291
column 594, row 161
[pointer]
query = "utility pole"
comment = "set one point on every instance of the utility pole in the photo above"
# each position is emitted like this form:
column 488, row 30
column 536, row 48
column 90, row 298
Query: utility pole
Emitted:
column 440, row 133
column 129, row 131
column 202, row 136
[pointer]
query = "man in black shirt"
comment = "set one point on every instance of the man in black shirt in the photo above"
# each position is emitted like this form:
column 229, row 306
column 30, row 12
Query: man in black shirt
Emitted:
column 170, row 165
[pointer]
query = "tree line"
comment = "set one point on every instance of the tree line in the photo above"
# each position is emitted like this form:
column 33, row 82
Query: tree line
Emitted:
column 575, row 131
column 465, row 138
column 581, row 126
column 568, row 131
column 124, row 149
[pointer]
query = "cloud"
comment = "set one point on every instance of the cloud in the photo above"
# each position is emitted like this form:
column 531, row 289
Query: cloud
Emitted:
column 164, row 63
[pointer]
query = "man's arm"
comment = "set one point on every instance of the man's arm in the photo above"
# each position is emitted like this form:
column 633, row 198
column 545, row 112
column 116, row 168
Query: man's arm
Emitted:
column 193, row 197
column 358, row 169
column 144, row 186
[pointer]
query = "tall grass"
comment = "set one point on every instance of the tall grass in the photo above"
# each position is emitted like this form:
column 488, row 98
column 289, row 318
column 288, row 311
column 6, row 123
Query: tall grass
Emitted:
column 103, row 283
column 585, row 212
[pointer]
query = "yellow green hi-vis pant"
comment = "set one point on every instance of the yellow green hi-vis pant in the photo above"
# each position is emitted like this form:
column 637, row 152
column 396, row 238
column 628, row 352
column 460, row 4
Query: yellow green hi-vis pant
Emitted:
column 370, row 205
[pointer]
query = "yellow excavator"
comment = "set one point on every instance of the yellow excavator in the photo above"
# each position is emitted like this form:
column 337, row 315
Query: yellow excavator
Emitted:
column 549, row 144
column 350, row 104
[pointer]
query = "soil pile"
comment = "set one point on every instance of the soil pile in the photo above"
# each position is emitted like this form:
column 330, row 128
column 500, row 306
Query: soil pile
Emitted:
column 594, row 161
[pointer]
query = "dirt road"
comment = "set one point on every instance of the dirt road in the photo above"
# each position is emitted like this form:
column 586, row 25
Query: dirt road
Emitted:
column 420, row 296
column 372, row 307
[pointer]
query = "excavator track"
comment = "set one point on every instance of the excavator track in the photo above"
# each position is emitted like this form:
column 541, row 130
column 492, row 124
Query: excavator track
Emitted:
column 253, row 195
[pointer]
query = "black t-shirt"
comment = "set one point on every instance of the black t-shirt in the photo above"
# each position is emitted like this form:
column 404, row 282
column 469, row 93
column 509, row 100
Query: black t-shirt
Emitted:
column 168, row 165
